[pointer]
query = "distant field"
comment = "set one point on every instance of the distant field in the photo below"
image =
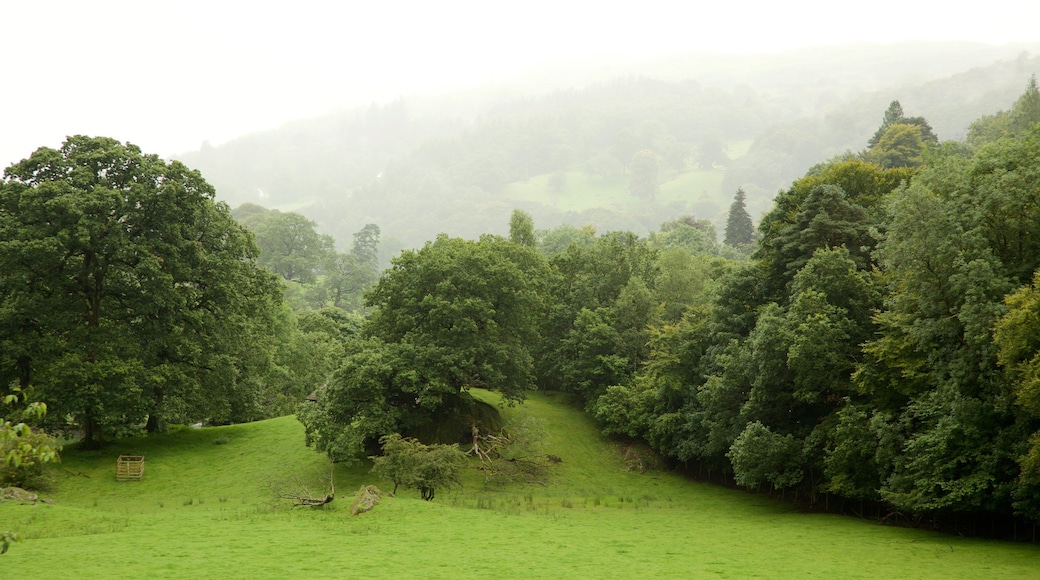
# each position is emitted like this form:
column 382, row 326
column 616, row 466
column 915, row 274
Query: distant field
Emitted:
column 697, row 193
column 581, row 191
column 203, row 511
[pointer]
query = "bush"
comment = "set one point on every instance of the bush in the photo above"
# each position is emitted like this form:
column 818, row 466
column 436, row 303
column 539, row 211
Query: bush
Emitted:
column 408, row 462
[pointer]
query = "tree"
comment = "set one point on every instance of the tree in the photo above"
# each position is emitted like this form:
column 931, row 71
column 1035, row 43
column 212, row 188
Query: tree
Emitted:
column 521, row 229
column 127, row 292
column 348, row 275
column 932, row 370
column 893, row 115
column 900, row 145
column 693, row 235
column 761, row 456
column 589, row 275
column 1025, row 112
column 826, row 219
column 291, row 247
column 452, row 316
column 366, row 246
column 427, row 468
column 474, row 303
column 642, row 178
column 1017, row 334
column 740, row 231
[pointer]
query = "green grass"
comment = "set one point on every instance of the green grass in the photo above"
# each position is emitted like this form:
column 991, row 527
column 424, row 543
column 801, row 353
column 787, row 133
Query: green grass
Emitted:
column 582, row 191
column 204, row 510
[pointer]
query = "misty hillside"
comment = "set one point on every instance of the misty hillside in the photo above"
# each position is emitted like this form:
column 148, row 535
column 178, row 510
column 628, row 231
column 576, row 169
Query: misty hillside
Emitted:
column 562, row 147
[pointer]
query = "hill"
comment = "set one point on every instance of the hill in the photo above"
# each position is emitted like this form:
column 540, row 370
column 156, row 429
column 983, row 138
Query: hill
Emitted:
column 459, row 163
column 203, row 510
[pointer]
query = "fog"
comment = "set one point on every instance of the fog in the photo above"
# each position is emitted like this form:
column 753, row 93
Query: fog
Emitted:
column 169, row 75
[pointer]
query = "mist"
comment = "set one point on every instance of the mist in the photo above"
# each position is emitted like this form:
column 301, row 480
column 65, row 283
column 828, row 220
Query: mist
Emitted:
column 169, row 76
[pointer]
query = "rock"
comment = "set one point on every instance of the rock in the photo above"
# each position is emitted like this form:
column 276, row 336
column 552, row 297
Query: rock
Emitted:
column 17, row 494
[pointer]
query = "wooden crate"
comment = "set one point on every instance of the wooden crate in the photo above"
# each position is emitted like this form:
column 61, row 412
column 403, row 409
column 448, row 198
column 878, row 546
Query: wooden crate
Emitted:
column 129, row 467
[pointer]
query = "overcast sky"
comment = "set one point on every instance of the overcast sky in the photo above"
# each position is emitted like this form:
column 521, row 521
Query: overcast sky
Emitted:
column 169, row 74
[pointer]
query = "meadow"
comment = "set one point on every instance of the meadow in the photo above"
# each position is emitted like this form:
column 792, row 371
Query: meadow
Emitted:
column 205, row 509
column 581, row 191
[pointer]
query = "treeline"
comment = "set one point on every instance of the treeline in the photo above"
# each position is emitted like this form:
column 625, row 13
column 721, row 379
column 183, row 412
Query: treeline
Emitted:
column 880, row 345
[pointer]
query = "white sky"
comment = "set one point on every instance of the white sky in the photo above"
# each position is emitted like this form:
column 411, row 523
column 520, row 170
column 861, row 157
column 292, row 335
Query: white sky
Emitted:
column 169, row 74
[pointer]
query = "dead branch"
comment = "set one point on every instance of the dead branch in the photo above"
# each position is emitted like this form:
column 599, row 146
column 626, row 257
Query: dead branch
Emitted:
column 294, row 488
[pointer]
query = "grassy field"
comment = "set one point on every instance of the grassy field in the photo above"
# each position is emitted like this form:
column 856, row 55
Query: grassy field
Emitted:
column 581, row 191
column 205, row 510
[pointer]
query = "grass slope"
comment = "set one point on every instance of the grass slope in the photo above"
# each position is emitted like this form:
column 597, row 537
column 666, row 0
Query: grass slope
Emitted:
column 581, row 191
column 203, row 510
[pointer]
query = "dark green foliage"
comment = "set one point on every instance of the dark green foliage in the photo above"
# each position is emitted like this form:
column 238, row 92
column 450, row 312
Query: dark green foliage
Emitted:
column 859, row 352
column 471, row 306
column 127, row 293
column 449, row 317
column 740, row 232
column 878, row 345
column 588, row 281
column 760, row 456
column 826, row 219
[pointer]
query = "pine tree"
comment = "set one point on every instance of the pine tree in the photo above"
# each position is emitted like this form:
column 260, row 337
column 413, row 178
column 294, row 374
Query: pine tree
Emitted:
column 893, row 115
column 739, row 229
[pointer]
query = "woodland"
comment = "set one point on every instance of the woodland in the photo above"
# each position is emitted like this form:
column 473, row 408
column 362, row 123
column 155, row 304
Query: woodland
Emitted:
column 870, row 343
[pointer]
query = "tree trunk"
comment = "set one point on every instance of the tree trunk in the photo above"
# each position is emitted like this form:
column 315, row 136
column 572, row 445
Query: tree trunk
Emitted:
column 90, row 433
column 154, row 423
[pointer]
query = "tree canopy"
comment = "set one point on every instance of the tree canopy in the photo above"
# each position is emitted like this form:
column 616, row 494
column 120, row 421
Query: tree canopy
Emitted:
column 127, row 292
column 451, row 316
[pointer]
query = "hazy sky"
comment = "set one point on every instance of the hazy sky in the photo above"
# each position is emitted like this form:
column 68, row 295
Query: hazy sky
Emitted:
column 169, row 74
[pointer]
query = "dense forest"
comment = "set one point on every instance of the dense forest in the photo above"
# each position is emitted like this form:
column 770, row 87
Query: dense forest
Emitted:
column 873, row 343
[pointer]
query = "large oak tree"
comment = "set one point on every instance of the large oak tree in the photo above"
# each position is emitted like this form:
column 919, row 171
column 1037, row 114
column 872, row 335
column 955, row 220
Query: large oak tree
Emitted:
column 126, row 293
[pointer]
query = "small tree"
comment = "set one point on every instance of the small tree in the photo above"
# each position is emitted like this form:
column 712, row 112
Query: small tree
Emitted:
column 408, row 462
column 399, row 459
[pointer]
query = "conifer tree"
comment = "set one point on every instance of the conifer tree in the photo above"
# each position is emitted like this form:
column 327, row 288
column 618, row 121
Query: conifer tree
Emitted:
column 739, row 229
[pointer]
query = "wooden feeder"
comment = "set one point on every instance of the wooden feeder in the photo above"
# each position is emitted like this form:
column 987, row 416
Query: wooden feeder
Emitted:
column 129, row 467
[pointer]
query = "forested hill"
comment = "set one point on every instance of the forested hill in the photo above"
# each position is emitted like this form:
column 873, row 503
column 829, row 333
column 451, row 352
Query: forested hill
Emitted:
column 564, row 150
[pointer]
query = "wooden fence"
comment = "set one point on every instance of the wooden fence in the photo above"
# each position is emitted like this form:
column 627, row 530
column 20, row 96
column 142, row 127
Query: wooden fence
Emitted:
column 129, row 468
